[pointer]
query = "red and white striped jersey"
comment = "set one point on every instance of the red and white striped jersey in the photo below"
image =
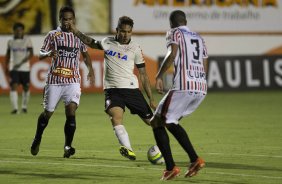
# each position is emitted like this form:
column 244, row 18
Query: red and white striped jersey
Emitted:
column 189, row 73
column 65, row 68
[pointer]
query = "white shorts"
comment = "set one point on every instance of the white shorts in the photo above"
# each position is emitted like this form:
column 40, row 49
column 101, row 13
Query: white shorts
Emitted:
column 54, row 93
column 177, row 104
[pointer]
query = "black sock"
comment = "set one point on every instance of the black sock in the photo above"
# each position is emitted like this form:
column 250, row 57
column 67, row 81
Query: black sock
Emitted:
column 42, row 123
column 182, row 137
column 70, row 127
column 162, row 141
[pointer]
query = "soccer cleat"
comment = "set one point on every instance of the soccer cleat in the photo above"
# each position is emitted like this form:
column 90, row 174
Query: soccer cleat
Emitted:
column 24, row 111
column 127, row 153
column 34, row 149
column 15, row 111
column 170, row 175
column 69, row 151
column 195, row 167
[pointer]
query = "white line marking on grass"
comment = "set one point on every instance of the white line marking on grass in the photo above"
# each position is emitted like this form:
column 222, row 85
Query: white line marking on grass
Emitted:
column 73, row 164
column 245, row 175
column 137, row 151
column 246, row 155
column 128, row 167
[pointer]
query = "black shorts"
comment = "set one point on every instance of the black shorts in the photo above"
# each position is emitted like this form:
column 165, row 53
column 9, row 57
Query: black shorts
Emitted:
column 133, row 99
column 19, row 78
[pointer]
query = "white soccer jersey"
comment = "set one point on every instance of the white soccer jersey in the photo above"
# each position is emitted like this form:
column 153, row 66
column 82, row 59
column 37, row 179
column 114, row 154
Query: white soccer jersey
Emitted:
column 189, row 73
column 18, row 51
column 119, row 63
column 65, row 68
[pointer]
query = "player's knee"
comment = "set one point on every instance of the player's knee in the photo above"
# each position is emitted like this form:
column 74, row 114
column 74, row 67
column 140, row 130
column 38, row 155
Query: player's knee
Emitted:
column 171, row 126
column 156, row 122
column 70, row 109
column 26, row 87
column 116, row 120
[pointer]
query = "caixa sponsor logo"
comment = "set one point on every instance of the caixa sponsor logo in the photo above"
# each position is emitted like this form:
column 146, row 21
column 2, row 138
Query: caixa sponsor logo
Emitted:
column 116, row 54
column 67, row 52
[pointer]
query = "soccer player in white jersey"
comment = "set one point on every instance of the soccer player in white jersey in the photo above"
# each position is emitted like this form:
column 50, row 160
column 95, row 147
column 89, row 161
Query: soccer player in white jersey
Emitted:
column 63, row 78
column 18, row 55
column 187, row 52
column 120, row 83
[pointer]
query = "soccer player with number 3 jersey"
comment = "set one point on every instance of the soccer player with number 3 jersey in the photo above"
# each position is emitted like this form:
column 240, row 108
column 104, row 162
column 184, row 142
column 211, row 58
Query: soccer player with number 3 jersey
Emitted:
column 63, row 78
column 187, row 52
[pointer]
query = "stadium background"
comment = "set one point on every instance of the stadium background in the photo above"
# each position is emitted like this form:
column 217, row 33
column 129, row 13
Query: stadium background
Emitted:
column 244, row 38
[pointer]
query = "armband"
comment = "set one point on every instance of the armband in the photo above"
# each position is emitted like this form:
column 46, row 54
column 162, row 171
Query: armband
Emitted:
column 44, row 53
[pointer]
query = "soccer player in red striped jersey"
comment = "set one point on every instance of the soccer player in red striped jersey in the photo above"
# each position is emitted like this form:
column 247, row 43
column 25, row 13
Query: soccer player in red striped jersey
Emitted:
column 187, row 52
column 63, row 78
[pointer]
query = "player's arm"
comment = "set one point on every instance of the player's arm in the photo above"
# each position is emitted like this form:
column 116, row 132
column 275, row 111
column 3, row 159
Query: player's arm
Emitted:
column 91, row 42
column 44, row 54
column 47, row 50
column 25, row 59
column 168, row 60
column 205, row 61
column 87, row 61
column 8, row 52
column 146, row 84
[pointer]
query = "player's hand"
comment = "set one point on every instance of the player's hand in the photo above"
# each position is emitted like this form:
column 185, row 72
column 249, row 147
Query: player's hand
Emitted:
column 53, row 54
column 91, row 77
column 153, row 104
column 72, row 28
column 159, row 86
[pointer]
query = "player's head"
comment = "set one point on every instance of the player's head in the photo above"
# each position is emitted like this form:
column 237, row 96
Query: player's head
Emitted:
column 66, row 16
column 124, row 29
column 18, row 29
column 177, row 18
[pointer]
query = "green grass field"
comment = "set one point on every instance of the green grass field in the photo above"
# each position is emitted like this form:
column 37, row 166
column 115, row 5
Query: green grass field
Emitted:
column 238, row 134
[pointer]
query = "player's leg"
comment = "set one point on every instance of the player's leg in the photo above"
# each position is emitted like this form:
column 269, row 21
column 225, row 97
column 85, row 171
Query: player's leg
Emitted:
column 182, row 137
column 162, row 140
column 116, row 115
column 69, row 129
column 114, row 107
column 71, row 98
column 24, row 79
column 42, row 123
column 137, row 104
column 50, row 99
column 178, row 109
column 14, row 76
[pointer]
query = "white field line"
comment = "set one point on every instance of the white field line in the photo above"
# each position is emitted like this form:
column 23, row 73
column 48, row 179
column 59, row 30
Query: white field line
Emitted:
column 246, row 155
column 114, row 151
column 127, row 167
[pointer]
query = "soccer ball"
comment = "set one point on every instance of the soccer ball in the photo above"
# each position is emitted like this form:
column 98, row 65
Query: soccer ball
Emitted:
column 155, row 156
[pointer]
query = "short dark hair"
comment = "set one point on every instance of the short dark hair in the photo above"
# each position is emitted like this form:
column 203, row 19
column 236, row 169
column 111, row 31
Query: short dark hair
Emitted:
column 178, row 17
column 66, row 9
column 125, row 20
column 18, row 25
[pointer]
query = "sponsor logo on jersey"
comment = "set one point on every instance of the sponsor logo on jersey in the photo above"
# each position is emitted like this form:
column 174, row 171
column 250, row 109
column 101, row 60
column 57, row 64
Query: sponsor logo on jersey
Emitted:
column 116, row 54
column 18, row 49
column 65, row 72
column 68, row 52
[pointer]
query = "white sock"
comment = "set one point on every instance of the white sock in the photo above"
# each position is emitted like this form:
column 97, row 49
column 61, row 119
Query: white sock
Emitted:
column 14, row 99
column 25, row 99
column 122, row 136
